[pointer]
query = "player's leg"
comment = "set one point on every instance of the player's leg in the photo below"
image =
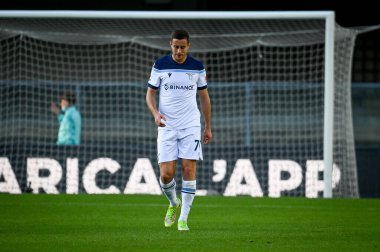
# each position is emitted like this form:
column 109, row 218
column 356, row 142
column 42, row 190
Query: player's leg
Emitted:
column 190, row 150
column 167, row 152
column 167, row 181
column 168, row 186
column 188, row 191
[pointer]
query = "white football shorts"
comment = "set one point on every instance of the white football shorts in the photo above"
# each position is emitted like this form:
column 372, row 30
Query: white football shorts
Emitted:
column 183, row 143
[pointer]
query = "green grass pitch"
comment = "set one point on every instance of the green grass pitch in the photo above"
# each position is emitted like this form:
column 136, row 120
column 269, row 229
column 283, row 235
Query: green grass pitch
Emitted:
column 136, row 223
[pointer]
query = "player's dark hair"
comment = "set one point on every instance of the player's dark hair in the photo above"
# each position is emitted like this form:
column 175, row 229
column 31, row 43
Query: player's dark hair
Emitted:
column 181, row 34
column 69, row 96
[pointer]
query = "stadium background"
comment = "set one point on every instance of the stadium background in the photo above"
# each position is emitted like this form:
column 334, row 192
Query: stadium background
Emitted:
column 365, row 71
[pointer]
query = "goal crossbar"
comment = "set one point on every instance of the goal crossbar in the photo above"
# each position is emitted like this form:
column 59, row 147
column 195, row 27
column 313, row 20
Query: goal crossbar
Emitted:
column 168, row 14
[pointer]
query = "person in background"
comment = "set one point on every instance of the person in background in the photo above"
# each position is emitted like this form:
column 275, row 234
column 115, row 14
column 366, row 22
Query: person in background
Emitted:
column 70, row 120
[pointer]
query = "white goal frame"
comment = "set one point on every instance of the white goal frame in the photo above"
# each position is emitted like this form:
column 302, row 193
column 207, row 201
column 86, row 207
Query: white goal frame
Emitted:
column 328, row 16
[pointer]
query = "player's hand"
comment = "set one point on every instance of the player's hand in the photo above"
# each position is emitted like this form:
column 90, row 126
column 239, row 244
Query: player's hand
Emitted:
column 207, row 136
column 160, row 119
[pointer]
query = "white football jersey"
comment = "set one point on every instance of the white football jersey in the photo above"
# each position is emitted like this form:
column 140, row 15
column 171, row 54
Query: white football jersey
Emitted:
column 178, row 85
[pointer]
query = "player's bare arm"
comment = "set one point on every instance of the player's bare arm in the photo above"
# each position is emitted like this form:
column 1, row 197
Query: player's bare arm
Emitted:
column 151, row 102
column 206, row 111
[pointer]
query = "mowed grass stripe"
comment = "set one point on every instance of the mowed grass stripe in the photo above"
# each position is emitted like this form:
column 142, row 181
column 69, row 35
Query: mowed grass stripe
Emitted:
column 135, row 223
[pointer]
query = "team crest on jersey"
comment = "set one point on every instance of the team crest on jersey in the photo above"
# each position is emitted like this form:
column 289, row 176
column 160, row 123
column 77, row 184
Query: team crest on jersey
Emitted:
column 170, row 74
column 166, row 86
column 190, row 75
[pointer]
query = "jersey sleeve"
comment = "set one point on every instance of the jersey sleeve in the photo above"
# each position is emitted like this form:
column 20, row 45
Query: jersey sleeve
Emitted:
column 154, row 80
column 202, row 80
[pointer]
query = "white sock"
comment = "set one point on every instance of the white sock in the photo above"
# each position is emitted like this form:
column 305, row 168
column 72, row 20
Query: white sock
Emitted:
column 169, row 191
column 188, row 193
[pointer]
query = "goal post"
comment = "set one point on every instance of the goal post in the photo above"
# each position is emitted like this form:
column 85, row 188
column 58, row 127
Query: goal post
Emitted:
column 259, row 64
column 328, row 130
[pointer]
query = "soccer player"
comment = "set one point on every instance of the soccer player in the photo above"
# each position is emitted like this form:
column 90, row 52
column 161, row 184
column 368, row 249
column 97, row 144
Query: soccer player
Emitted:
column 179, row 77
column 70, row 120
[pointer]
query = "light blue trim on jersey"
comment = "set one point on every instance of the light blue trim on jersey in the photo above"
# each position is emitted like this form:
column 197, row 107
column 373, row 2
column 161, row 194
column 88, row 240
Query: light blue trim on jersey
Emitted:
column 151, row 86
column 179, row 70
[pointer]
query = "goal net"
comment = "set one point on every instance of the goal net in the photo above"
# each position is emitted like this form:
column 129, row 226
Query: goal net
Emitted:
column 266, row 80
